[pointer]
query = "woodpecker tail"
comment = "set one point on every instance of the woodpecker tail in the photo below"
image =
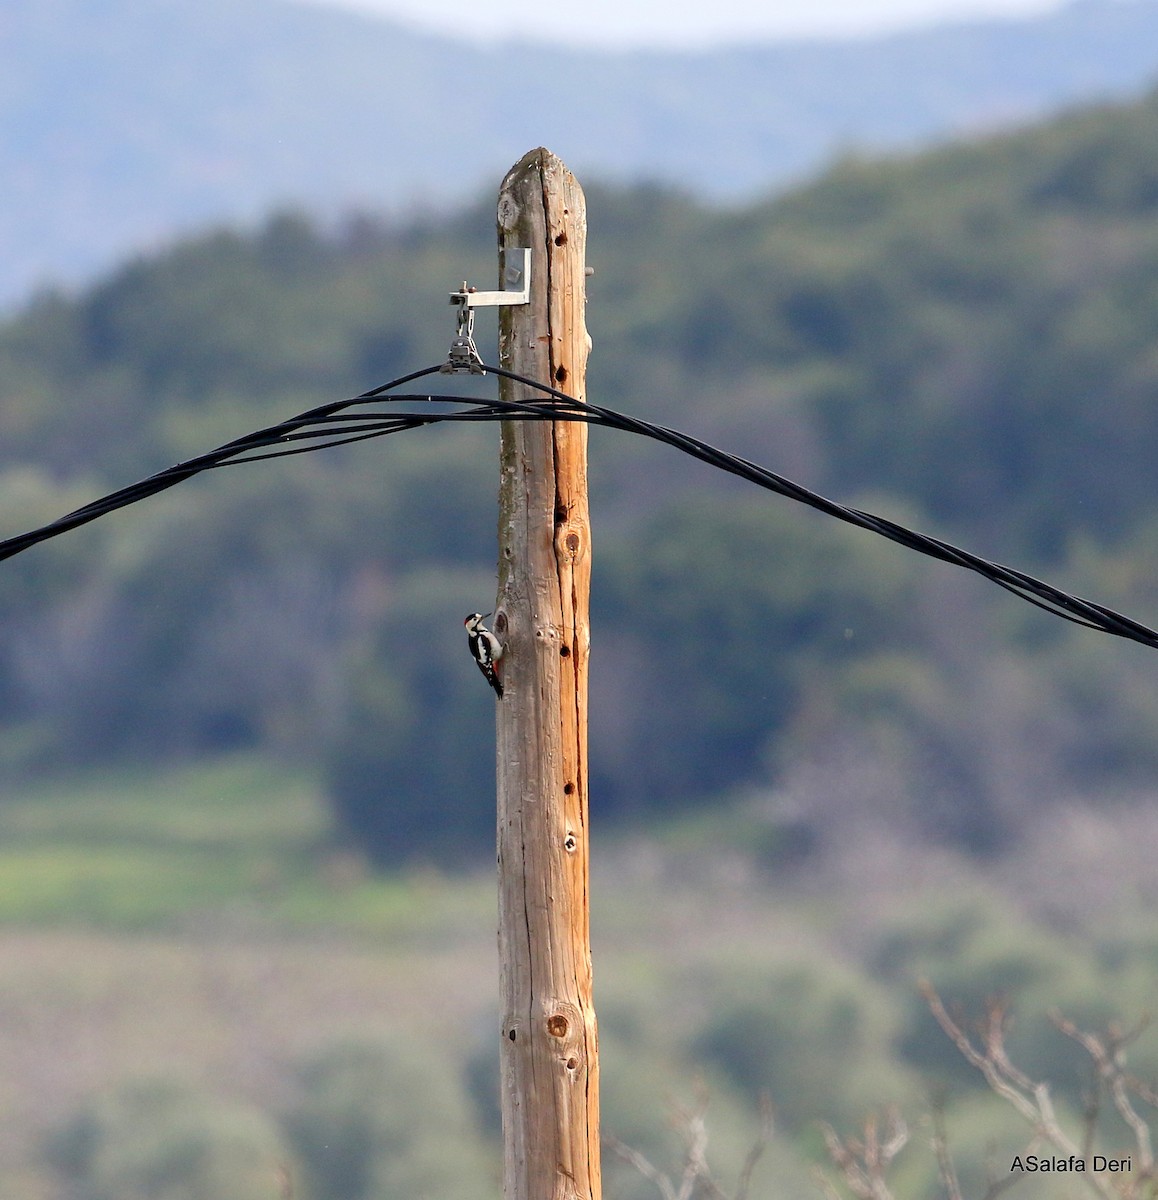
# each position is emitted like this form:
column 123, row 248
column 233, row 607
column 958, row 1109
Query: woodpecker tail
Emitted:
column 492, row 677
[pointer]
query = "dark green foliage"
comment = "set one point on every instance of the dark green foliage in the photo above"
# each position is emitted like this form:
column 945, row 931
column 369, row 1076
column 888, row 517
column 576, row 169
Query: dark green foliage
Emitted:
column 372, row 1122
column 166, row 1141
column 411, row 771
column 964, row 339
column 723, row 612
column 378, row 1122
column 814, row 1037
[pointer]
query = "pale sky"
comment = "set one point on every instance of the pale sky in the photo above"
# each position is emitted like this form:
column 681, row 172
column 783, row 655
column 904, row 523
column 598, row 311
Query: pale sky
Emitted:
column 668, row 23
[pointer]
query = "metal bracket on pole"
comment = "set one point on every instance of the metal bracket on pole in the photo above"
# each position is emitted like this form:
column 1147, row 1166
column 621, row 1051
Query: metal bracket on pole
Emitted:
column 464, row 356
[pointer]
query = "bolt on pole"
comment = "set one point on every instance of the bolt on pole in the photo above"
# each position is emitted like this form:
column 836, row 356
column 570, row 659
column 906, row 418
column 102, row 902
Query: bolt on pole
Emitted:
column 549, row 1059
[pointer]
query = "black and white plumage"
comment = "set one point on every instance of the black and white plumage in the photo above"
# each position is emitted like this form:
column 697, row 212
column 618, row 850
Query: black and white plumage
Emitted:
column 485, row 648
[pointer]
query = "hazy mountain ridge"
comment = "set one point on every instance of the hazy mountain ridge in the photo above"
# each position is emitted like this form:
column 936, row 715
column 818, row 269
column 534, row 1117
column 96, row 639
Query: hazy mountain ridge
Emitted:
column 125, row 121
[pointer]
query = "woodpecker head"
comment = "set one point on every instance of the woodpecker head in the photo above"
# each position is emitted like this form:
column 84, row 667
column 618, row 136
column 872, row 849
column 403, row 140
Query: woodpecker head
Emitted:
column 474, row 620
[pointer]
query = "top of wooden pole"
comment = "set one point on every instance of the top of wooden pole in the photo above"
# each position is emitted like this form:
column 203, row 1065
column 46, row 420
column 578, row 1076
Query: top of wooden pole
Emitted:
column 541, row 206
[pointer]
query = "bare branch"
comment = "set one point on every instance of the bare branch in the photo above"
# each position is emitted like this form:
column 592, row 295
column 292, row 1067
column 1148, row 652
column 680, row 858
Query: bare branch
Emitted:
column 945, row 1168
column 694, row 1131
column 284, row 1181
column 822, row 1182
column 1035, row 1102
column 998, row 1022
column 763, row 1137
column 696, row 1180
column 1109, row 1062
column 984, row 1062
column 863, row 1163
column 896, row 1136
column 637, row 1160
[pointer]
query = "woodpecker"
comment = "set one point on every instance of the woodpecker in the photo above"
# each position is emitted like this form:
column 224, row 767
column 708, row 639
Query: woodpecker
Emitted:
column 485, row 648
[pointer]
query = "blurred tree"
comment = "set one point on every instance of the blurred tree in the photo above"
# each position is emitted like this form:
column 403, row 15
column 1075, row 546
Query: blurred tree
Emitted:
column 166, row 1141
column 411, row 773
column 814, row 1036
column 722, row 610
column 379, row 1122
column 968, row 335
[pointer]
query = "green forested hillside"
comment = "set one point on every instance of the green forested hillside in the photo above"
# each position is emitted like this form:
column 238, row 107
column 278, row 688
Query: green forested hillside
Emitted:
column 965, row 340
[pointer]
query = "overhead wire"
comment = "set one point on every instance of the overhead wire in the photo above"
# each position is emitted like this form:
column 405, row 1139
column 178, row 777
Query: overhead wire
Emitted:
column 331, row 425
column 179, row 472
column 1035, row 591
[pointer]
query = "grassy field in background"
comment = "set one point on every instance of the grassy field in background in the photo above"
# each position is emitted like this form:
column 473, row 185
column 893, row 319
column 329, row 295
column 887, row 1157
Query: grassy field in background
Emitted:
column 235, row 839
column 203, row 925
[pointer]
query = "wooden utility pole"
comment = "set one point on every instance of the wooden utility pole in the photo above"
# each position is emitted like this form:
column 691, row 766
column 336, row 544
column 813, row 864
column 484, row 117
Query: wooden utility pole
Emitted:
column 550, row 1063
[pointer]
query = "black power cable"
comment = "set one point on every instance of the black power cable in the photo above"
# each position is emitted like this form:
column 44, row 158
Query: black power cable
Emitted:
column 1035, row 591
column 272, row 435
column 332, row 425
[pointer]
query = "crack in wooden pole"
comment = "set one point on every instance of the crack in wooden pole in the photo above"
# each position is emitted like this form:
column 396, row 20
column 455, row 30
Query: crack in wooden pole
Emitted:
column 549, row 1059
